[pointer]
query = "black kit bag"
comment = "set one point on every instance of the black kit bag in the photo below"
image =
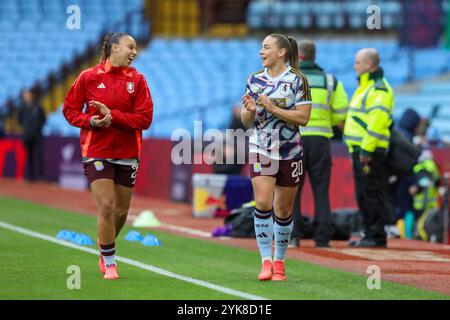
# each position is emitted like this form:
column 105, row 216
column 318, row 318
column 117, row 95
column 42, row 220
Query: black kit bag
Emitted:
column 402, row 154
column 241, row 222
column 341, row 225
column 430, row 226
column 346, row 220
column 306, row 228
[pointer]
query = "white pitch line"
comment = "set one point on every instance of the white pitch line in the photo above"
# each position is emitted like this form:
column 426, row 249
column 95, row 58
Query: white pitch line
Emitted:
column 187, row 230
column 133, row 263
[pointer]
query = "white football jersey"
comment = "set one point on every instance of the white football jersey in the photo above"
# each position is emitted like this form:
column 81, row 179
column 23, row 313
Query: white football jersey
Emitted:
column 273, row 137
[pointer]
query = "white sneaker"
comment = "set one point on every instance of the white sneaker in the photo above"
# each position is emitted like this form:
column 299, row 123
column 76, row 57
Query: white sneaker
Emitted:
column 392, row 231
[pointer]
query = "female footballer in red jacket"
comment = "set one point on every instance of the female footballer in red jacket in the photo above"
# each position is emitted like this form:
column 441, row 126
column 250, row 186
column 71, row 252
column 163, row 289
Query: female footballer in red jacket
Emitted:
column 119, row 107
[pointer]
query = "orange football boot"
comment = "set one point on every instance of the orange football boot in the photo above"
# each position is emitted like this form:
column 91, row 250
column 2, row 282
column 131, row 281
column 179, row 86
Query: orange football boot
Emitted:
column 278, row 271
column 266, row 271
column 111, row 273
column 101, row 262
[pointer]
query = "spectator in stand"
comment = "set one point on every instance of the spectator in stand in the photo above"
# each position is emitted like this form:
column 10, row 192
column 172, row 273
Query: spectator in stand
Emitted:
column 409, row 123
column 32, row 119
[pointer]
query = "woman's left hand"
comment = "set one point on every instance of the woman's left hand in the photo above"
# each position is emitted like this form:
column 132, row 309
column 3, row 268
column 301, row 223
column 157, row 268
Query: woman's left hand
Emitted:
column 100, row 107
column 265, row 102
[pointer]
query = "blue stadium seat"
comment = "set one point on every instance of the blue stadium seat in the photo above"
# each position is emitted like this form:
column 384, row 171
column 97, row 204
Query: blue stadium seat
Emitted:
column 391, row 11
column 9, row 10
column 305, row 17
column 430, row 61
column 6, row 26
column 356, row 11
column 441, row 125
column 231, row 74
column 36, row 41
column 257, row 12
column 293, row 10
column 185, row 74
column 436, row 88
column 326, row 12
column 444, row 112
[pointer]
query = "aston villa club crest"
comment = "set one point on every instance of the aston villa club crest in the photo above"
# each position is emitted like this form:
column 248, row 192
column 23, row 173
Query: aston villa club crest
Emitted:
column 284, row 89
column 98, row 165
column 130, row 87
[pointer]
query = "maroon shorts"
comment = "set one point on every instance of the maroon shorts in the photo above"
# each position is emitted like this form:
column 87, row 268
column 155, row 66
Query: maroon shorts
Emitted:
column 124, row 175
column 288, row 173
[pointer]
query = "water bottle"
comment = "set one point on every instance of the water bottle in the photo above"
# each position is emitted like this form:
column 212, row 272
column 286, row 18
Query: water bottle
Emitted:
column 409, row 225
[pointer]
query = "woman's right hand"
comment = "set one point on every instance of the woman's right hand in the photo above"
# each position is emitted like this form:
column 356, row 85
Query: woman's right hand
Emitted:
column 248, row 103
column 101, row 123
column 100, row 107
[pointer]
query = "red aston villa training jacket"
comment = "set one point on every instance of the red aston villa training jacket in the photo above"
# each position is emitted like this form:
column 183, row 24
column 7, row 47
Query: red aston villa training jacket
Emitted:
column 125, row 92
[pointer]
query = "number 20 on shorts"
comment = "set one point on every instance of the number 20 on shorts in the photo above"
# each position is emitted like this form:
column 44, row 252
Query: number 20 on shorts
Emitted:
column 298, row 170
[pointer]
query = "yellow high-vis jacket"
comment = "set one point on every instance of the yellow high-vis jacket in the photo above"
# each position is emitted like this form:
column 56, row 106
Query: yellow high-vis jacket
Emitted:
column 369, row 116
column 427, row 198
column 329, row 101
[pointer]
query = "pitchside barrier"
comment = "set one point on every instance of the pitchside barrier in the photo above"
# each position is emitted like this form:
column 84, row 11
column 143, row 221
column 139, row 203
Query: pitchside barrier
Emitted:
column 158, row 177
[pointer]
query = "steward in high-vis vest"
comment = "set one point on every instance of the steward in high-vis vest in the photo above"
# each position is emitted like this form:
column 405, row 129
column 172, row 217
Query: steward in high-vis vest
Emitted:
column 370, row 114
column 425, row 199
column 367, row 134
column 330, row 102
column 330, row 105
column 425, row 188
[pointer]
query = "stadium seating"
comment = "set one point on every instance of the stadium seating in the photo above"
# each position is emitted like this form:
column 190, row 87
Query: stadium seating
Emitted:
column 432, row 102
column 209, row 75
column 322, row 15
column 202, row 79
column 36, row 41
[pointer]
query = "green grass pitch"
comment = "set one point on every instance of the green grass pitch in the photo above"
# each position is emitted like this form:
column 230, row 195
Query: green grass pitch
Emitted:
column 32, row 268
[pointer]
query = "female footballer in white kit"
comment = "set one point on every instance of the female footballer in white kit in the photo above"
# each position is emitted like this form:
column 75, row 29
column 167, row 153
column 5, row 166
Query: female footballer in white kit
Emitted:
column 277, row 100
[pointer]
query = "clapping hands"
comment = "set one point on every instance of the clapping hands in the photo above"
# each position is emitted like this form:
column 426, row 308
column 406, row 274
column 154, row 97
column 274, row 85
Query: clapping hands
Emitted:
column 266, row 103
column 248, row 103
column 96, row 121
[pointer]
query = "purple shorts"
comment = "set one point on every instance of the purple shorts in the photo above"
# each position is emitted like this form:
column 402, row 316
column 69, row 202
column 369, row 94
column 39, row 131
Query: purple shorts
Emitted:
column 288, row 173
column 124, row 175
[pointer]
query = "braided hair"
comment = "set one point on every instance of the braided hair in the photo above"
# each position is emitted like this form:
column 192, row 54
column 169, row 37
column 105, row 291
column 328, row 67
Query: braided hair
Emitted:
column 110, row 38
